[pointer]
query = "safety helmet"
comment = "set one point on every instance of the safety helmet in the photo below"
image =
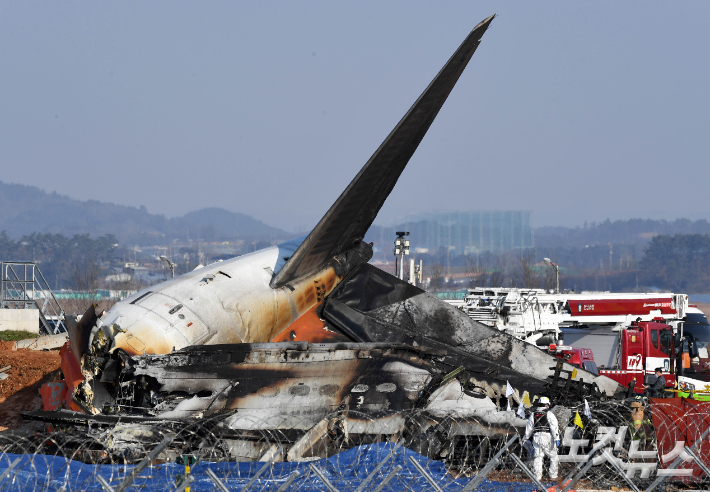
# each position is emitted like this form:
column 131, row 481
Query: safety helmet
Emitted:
column 545, row 400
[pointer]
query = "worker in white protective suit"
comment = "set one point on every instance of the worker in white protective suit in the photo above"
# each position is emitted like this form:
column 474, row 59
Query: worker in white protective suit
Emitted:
column 542, row 426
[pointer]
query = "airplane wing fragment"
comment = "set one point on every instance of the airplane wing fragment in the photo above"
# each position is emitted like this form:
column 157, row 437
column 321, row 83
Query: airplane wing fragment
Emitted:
column 352, row 214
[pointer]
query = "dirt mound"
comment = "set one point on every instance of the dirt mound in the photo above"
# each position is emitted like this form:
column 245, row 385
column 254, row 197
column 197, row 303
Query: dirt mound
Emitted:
column 20, row 391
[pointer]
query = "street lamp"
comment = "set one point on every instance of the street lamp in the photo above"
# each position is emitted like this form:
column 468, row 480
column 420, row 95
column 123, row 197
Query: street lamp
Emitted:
column 557, row 272
column 401, row 248
column 171, row 265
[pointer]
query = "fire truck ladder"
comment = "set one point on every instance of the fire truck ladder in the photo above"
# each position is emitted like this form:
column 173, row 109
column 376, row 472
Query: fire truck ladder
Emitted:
column 24, row 287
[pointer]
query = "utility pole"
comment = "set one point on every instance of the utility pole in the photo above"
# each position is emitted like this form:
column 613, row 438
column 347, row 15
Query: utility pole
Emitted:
column 611, row 252
column 401, row 248
column 417, row 272
column 557, row 272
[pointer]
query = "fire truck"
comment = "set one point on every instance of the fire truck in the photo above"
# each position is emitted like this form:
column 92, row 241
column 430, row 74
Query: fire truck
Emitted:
column 538, row 317
column 632, row 354
column 676, row 337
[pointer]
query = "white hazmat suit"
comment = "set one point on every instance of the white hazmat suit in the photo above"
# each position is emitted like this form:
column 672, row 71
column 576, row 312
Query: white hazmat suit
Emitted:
column 544, row 438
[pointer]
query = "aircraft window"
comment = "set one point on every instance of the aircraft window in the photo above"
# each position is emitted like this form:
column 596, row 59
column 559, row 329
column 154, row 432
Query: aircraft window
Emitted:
column 654, row 338
column 666, row 341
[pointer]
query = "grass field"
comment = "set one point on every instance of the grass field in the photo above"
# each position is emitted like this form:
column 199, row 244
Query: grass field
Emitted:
column 10, row 335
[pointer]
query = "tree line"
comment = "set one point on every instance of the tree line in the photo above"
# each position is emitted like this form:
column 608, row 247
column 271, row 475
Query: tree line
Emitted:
column 678, row 263
column 58, row 256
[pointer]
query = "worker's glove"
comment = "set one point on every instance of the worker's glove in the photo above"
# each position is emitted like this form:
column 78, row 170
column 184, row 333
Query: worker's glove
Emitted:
column 557, row 443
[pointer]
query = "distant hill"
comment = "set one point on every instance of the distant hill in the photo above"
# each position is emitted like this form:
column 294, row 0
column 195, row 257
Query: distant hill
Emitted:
column 230, row 222
column 633, row 231
column 27, row 209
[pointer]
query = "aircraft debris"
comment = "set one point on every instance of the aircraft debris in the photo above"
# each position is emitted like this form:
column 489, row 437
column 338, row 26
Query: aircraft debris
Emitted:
column 309, row 340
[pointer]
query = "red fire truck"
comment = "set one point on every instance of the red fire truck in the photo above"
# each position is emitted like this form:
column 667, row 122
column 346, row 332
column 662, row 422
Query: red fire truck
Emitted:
column 631, row 354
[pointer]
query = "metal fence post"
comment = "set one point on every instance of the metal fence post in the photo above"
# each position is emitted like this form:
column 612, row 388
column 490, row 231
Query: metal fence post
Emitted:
column 104, row 484
column 572, row 478
column 216, row 480
column 9, row 469
column 676, row 463
column 262, row 469
column 480, row 476
column 428, row 477
column 288, row 481
column 697, row 461
column 185, row 483
column 612, row 461
column 143, row 464
column 528, row 472
column 389, row 477
column 378, row 467
column 323, row 478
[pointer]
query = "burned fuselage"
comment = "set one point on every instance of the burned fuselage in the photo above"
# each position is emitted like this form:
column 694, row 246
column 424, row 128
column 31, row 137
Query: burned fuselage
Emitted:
column 278, row 385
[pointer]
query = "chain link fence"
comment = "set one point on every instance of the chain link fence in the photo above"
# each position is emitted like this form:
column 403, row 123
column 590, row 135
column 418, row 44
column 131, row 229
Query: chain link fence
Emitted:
column 625, row 444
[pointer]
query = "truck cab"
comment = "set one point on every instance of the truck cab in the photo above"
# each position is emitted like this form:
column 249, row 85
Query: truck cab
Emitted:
column 643, row 347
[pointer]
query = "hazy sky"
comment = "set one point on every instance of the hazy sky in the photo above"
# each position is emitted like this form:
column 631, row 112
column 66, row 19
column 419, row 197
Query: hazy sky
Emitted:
column 574, row 110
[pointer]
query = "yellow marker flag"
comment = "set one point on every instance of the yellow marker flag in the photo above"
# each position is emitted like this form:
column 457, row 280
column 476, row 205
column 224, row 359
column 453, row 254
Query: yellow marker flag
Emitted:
column 526, row 400
column 578, row 420
column 574, row 373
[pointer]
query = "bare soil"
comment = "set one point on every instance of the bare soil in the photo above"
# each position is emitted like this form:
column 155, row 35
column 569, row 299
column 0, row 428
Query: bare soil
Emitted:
column 20, row 391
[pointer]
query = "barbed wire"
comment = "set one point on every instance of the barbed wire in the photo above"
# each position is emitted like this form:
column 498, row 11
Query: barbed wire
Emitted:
column 354, row 452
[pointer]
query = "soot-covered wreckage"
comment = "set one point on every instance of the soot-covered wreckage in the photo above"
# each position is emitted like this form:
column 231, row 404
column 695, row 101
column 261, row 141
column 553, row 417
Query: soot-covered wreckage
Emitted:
column 284, row 338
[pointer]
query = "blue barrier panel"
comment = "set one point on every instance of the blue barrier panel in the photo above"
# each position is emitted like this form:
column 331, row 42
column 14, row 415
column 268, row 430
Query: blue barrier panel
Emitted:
column 344, row 470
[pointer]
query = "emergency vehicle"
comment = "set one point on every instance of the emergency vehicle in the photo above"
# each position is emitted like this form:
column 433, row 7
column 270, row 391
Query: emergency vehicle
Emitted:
column 538, row 317
column 642, row 348
column 632, row 354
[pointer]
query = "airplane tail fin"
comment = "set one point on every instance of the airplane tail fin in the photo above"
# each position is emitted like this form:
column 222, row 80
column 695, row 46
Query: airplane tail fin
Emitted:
column 352, row 214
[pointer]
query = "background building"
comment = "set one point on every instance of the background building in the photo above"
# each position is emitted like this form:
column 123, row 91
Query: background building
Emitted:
column 462, row 232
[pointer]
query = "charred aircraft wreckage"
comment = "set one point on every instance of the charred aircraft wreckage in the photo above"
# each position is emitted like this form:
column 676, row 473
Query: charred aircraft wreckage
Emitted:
column 284, row 339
